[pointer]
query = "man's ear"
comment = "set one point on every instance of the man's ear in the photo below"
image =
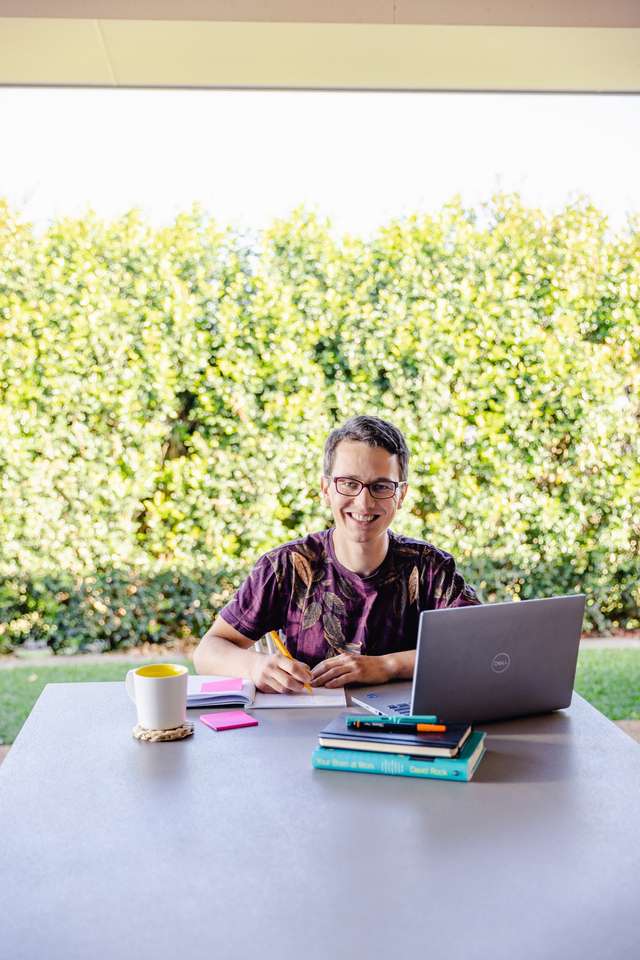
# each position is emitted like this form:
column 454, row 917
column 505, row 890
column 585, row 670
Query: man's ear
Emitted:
column 324, row 490
column 403, row 493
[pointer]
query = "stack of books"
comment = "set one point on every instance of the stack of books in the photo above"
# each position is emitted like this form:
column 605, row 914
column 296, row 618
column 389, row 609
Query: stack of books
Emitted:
column 400, row 747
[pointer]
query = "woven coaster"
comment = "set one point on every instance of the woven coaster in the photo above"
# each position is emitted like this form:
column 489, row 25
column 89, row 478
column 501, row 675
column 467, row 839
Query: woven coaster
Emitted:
column 177, row 733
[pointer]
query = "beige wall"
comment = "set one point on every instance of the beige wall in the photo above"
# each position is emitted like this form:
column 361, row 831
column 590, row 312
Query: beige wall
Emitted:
column 567, row 45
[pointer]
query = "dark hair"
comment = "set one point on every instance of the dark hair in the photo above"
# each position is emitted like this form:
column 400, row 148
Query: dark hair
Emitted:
column 374, row 432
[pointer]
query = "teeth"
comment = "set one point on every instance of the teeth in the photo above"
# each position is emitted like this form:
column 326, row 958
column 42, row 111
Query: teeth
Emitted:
column 363, row 516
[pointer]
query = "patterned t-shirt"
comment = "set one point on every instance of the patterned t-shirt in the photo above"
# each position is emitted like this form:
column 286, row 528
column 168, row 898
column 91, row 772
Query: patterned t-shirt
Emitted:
column 324, row 609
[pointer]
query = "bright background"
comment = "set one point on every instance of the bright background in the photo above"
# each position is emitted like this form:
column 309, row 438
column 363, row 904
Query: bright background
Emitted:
column 358, row 158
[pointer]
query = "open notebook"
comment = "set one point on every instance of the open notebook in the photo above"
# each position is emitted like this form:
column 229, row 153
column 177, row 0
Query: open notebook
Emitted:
column 216, row 691
column 212, row 691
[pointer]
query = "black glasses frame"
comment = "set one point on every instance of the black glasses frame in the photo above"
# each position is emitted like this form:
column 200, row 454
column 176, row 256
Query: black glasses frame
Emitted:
column 396, row 484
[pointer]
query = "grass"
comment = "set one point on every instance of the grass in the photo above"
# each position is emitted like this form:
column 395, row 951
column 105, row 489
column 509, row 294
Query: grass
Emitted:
column 21, row 686
column 609, row 679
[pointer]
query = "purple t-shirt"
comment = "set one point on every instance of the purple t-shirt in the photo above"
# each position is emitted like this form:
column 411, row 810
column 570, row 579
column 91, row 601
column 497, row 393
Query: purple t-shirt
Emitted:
column 324, row 609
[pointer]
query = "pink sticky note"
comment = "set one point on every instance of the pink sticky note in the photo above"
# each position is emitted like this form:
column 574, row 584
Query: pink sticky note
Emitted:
column 228, row 720
column 222, row 686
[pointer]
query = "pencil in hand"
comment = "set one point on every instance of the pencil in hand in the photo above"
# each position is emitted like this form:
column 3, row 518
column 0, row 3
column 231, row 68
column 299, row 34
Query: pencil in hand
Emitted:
column 280, row 647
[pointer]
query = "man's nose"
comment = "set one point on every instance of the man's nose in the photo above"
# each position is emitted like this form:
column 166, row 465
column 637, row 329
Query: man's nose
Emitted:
column 365, row 498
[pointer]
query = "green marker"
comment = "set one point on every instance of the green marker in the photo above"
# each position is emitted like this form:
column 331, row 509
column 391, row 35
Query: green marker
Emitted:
column 369, row 718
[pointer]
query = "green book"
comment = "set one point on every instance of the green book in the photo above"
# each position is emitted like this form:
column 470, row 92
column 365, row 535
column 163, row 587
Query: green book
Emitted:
column 461, row 767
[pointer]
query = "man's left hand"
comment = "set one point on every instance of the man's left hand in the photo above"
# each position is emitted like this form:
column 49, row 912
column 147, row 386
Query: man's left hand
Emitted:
column 350, row 668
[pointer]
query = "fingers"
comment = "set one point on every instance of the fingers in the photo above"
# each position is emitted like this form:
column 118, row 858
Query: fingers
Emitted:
column 339, row 677
column 299, row 671
column 277, row 681
column 336, row 671
column 321, row 668
column 278, row 674
column 285, row 682
column 290, row 675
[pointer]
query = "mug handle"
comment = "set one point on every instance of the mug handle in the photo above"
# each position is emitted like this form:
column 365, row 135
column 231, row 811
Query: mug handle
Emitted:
column 128, row 683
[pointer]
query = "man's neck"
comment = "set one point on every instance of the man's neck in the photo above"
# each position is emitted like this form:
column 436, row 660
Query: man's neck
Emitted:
column 360, row 558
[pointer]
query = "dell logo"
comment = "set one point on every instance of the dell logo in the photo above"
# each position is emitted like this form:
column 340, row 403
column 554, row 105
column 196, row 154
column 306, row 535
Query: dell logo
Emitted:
column 501, row 662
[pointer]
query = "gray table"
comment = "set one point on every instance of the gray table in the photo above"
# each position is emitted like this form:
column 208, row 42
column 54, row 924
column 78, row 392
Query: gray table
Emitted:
column 229, row 844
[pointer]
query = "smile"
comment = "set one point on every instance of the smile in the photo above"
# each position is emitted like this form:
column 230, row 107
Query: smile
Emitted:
column 363, row 517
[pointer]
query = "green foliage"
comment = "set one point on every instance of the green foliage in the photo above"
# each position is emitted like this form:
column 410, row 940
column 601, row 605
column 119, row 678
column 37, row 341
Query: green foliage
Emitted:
column 165, row 395
column 110, row 610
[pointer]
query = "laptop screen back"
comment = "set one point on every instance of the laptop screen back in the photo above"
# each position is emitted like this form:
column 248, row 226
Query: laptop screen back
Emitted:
column 497, row 661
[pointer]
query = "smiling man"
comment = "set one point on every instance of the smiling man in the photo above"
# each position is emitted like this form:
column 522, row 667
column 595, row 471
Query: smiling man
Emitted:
column 346, row 600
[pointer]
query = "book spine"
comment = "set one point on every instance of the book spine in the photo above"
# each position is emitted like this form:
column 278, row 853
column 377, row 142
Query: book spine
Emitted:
column 392, row 764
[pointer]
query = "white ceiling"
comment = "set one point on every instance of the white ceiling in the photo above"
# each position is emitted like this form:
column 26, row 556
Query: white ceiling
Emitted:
column 362, row 44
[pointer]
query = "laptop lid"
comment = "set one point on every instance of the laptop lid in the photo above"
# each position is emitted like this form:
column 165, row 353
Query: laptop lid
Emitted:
column 488, row 662
column 496, row 661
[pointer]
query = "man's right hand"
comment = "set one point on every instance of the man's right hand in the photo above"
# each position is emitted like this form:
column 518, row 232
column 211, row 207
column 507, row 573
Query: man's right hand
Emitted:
column 274, row 673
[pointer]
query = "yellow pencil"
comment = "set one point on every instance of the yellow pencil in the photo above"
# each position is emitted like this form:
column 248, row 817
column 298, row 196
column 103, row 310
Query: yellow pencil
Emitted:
column 275, row 636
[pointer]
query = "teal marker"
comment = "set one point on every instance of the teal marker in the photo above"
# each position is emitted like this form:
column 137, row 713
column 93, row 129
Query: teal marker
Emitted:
column 368, row 719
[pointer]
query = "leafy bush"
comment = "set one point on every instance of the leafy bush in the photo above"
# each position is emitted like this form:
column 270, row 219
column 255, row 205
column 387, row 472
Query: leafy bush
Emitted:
column 110, row 610
column 165, row 395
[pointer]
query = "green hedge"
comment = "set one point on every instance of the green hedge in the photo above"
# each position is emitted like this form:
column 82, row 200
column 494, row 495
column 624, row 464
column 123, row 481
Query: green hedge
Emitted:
column 109, row 610
column 165, row 394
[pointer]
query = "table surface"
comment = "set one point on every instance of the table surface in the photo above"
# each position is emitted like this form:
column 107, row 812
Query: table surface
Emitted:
column 230, row 843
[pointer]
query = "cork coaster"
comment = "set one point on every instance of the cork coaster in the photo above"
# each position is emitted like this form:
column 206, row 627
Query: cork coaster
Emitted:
column 177, row 733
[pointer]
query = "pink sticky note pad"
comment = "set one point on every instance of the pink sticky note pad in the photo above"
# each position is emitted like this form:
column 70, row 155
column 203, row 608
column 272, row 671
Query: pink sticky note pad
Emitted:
column 222, row 686
column 228, row 720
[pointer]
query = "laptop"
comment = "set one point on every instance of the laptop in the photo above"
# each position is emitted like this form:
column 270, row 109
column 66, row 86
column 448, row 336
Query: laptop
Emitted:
column 489, row 662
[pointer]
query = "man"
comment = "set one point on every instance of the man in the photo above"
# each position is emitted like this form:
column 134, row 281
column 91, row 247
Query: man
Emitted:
column 347, row 600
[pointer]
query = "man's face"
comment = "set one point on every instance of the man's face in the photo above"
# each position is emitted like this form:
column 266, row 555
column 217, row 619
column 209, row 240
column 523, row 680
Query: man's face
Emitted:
column 364, row 518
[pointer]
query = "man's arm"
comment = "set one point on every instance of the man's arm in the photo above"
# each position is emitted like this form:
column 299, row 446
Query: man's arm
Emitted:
column 224, row 650
column 354, row 668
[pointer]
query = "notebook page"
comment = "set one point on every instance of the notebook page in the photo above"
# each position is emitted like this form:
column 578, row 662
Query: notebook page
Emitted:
column 320, row 697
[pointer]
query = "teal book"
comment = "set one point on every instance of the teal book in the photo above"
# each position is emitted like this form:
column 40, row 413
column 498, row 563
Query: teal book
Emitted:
column 461, row 767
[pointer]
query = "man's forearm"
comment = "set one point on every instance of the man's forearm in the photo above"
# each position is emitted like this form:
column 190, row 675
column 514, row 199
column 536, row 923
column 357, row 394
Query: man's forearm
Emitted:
column 400, row 665
column 216, row 655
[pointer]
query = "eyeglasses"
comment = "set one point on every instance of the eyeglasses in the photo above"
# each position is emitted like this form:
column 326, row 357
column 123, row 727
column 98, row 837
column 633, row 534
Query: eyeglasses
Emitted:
column 379, row 489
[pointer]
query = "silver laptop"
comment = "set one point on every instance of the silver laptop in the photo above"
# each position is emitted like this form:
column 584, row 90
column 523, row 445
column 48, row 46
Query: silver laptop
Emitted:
column 488, row 662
